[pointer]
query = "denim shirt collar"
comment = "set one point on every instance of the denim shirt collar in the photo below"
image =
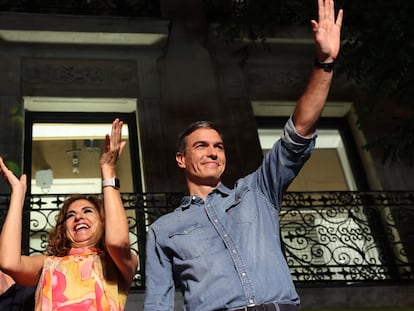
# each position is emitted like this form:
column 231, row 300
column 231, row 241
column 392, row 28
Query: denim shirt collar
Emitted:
column 187, row 200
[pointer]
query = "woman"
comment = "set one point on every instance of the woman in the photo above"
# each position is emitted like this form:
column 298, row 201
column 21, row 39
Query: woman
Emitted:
column 88, row 263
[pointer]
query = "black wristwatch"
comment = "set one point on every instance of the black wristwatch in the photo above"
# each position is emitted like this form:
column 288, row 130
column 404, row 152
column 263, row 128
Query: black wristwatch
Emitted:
column 328, row 67
column 112, row 182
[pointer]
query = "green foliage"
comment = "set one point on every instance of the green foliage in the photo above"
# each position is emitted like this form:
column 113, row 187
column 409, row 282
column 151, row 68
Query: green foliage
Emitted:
column 255, row 20
column 13, row 122
column 14, row 167
column 377, row 53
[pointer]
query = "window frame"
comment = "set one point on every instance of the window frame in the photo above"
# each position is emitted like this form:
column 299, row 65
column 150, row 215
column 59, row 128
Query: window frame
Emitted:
column 32, row 117
column 329, row 123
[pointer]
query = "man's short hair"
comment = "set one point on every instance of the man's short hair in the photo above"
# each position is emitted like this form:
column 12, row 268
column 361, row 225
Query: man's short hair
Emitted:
column 182, row 137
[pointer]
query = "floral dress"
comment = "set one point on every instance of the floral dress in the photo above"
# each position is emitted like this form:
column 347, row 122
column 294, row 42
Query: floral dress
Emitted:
column 81, row 281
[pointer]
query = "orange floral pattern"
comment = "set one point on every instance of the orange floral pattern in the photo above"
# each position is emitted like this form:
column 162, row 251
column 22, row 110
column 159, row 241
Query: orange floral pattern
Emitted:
column 81, row 281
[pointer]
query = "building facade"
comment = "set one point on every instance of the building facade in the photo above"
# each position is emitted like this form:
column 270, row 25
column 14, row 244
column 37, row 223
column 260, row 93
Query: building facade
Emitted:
column 65, row 77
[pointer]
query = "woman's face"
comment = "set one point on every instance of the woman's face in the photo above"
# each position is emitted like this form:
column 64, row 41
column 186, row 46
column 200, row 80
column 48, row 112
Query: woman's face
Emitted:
column 84, row 227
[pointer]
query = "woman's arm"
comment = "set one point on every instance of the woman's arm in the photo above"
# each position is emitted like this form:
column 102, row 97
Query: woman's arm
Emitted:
column 116, row 223
column 24, row 270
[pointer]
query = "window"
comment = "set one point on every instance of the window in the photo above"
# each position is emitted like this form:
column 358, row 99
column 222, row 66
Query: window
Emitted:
column 65, row 158
column 63, row 153
column 329, row 154
column 335, row 163
column 63, row 145
column 326, row 238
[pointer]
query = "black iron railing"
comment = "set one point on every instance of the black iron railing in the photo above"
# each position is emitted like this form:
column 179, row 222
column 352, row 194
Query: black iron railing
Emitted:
column 328, row 237
column 350, row 237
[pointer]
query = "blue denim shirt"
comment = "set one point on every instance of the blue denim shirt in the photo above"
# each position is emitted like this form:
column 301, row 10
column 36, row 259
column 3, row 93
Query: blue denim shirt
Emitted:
column 225, row 252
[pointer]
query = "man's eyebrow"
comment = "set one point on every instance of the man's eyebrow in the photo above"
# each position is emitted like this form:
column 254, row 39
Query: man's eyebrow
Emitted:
column 220, row 142
column 199, row 142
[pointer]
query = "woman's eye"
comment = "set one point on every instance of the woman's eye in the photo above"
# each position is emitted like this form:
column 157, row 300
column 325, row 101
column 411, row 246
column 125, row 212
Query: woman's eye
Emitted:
column 69, row 215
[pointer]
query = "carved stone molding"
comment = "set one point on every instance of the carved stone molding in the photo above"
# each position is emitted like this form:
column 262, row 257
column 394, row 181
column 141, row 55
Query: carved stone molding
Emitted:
column 79, row 77
column 273, row 79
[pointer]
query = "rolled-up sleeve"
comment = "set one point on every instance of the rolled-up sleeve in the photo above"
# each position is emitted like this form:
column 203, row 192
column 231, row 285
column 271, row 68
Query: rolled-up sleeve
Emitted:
column 293, row 141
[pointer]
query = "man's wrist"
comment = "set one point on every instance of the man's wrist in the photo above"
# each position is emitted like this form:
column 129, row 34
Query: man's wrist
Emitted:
column 326, row 66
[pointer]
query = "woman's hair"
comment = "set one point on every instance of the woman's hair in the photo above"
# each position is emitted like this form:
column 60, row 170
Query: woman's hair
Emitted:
column 182, row 137
column 58, row 242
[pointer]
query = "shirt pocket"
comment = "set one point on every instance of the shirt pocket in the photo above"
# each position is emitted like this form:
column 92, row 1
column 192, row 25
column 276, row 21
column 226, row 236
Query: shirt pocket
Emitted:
column 244, row 210
column 195, row 240
column 243, row 214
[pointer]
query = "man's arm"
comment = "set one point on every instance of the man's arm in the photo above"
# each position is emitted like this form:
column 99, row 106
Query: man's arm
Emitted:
column 160, row 287
column 327, row 33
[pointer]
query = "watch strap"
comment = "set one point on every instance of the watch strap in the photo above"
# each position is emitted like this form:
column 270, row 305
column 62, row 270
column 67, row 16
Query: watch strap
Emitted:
column 111, row 182
column 328, row 67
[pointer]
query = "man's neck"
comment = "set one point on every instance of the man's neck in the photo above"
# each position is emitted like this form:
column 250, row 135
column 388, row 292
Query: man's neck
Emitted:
column 201, row 190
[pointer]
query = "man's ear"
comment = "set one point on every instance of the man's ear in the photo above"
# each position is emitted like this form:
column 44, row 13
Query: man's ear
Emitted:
column 179, row 157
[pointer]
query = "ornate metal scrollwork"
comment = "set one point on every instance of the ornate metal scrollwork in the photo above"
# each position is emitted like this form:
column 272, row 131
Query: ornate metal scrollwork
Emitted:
column 326, row 236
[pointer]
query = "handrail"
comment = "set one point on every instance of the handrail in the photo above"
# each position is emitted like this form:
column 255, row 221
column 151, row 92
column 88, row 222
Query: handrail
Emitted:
column 327, row 237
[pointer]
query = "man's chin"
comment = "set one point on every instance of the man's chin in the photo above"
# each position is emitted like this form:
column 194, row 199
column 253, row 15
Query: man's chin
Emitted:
column 213, row 182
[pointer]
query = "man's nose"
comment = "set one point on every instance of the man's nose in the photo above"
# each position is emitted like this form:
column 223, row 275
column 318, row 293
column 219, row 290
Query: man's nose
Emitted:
column 212, row 152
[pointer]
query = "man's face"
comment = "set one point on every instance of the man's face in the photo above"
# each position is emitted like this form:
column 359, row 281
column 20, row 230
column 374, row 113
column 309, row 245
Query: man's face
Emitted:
column 204, row 159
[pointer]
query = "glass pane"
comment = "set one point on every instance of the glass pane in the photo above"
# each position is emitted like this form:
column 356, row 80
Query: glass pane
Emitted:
column 65, row 158
column 329, row 154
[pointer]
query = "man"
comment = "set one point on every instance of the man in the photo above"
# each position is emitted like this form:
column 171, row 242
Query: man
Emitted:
column 221, row 247
column 14, row 297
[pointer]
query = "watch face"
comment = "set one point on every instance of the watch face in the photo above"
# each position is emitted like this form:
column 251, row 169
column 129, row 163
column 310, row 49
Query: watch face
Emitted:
column 117, row 183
